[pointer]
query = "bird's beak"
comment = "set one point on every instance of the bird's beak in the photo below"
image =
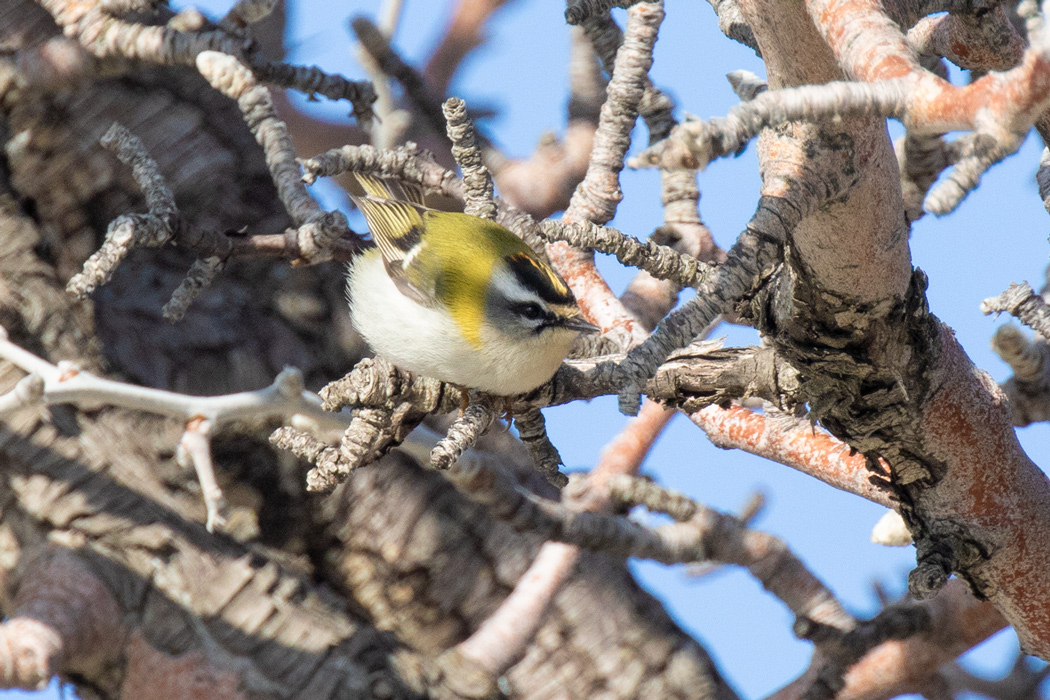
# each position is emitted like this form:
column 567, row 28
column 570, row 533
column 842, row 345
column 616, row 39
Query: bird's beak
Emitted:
column 576, row 323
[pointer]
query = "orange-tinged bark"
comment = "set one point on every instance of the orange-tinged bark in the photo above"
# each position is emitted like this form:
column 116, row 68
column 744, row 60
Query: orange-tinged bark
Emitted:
column 597, row 301
column 812, row 451
column 869, row 46
column 993, row 490
column 982, row 497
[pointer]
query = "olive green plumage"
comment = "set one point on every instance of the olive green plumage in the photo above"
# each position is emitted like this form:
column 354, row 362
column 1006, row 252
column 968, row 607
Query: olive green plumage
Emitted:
column 465, row 300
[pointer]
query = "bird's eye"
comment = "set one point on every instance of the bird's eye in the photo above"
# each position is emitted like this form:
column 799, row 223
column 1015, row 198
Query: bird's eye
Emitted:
column 532, row 312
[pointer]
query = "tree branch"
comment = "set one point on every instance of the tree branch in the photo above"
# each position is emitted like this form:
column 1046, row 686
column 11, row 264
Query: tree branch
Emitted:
column 61, row 619
column 596, row 197
column 796, row 444
column 477, row 182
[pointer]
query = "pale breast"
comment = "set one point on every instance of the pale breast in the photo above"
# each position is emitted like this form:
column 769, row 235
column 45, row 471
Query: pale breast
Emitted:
column 427, row 341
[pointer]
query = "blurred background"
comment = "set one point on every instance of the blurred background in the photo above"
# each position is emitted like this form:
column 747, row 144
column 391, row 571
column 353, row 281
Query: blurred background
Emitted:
column 997, row 236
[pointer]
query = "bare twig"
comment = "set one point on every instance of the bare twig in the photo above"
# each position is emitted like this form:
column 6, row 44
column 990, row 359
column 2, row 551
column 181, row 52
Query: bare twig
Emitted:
column 464, row 33
column 1022, row 682
column 65, row 384
column 195, row 450
column 409, row 163
column 1042, row 178
column 532, row 431
column 895, row 667
column 387, row 404
column 285, row 399
column 704, row 534
column 998, row 107
column 695, row 144
column 108, row 37
column 580, row 10
column 660, row 261
column 371, row 432
column 1028, row 360
column 477, row 183
column 313, row 81
column 543, row 183
column 247, row 12
column 318, row 229
column 463, row 433
column 991, row 42
column 328, row 462
column 199, row 276
column 317, row 237
column 841, row 650
column 922, row 158
column 503, row 638
column 1024, row 304
column 389, row 62
column 732, row 23
column 376, row 383
column 406, row 162
column 596, row 197
column 973, row 154
column 794, row 443
column 755, row 251
column 648, row 298
column 392, row 121
column 130, row 231
column 1028, row 390
column 286, row 246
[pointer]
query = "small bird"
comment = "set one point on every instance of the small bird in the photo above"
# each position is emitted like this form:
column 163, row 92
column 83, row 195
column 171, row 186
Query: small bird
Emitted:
column 456, row 297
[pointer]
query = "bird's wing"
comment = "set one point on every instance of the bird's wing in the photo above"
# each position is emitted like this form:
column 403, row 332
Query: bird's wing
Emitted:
column 389, row 188
column 394, row 211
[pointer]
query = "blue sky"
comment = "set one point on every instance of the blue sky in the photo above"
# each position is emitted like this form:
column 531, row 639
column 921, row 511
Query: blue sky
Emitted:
column 998, row 236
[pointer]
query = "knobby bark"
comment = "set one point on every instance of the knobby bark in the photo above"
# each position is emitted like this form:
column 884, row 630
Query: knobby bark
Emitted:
column 392, row 581
column 101, row 490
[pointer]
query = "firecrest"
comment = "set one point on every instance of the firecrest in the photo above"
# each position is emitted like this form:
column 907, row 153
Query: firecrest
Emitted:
column 456, row 297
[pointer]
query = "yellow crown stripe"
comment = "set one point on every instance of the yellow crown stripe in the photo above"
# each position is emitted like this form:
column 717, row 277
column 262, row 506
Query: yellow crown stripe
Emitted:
column 546, row 271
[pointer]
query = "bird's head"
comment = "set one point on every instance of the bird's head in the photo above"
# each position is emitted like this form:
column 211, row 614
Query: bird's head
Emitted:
column 527, row 298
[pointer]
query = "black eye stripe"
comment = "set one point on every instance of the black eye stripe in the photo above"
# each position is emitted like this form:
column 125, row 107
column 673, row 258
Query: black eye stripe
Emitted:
column 532, row 276
column 532, row 311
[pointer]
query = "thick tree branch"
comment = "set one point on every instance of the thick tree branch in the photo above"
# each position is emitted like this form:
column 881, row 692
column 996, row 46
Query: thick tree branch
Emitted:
column 937, row 422
column 958, row 621
column 61, row 619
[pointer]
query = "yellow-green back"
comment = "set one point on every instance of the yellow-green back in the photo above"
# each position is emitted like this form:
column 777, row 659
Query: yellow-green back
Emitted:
column 476, row 245
column 449, row 258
